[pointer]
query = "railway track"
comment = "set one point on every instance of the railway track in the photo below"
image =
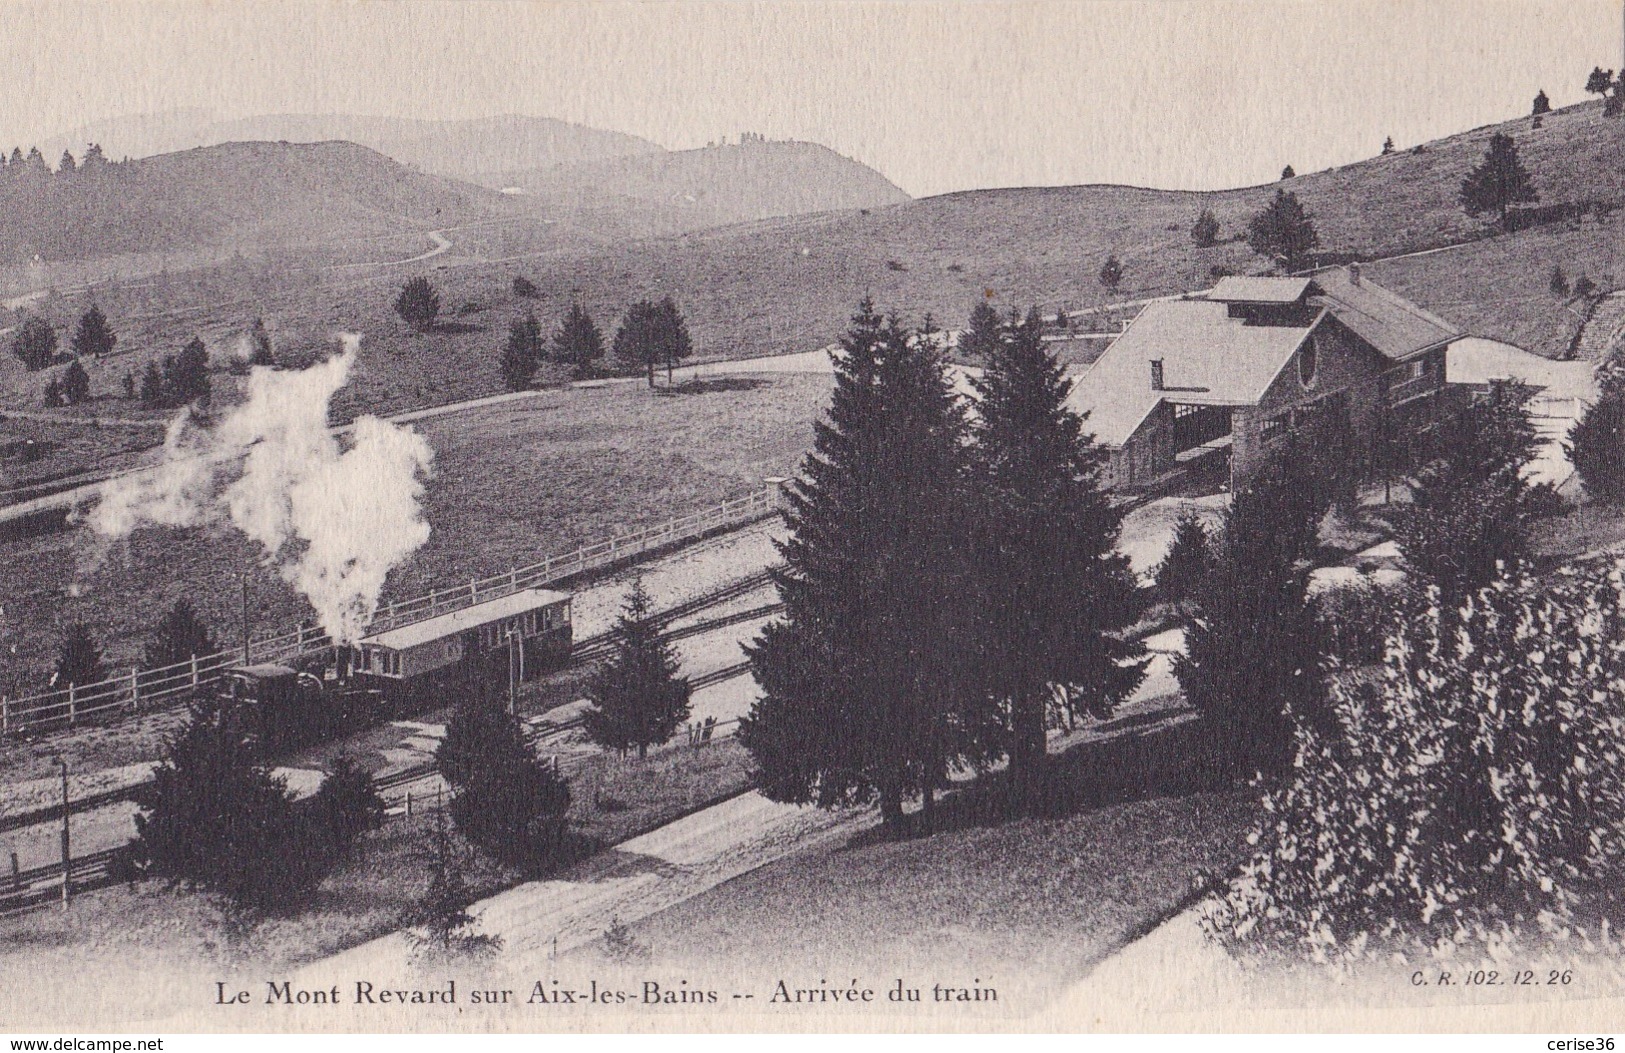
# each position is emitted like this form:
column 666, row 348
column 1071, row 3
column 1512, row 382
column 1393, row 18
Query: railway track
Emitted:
column 43, row 884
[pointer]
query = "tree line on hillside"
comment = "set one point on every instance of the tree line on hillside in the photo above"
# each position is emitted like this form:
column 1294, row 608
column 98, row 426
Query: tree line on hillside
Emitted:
column 651, row 334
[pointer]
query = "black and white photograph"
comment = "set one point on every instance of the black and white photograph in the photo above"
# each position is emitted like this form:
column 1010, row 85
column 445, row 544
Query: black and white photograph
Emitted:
column 910, row 517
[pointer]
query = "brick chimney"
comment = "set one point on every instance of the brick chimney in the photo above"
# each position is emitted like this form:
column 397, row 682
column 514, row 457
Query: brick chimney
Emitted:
column 1354, row 273
column 1156, row 374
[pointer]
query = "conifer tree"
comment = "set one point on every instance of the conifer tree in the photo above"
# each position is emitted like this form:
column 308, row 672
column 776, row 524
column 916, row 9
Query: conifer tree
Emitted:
column 638, row 700
column 1205, row 231
column 214, row 816
column 868, row 681
column 578, row 341
column 179, row 637
column 259, row 345
column 983, row 335
column 508, row 802
column 522, row 354
column 94, row 337
column 80, row 660
column 1189, row 555
column 1283, row 231
column 418, row 304
column 653, row 334
column 441, row 928
column 1498, row 182
column 1055, row 593
column 75, row 383
column 1596, row 442
column 1252, row 663
column 1111, row 273
column 34, row 342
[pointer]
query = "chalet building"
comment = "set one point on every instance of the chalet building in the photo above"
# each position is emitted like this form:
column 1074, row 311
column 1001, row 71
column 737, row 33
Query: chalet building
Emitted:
column 1226, row 374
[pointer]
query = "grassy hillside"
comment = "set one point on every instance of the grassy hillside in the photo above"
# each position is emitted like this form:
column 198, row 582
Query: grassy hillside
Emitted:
column 690, row 189
column 246, row 195
column 512, row 484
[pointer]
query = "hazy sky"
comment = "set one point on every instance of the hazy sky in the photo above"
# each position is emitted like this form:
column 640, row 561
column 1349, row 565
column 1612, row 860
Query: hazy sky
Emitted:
column 938, row 96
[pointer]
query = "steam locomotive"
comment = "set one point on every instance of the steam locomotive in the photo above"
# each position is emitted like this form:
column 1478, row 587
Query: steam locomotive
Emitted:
column 487, row 647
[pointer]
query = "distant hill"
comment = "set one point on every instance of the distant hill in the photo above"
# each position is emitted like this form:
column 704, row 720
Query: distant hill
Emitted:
column 458, row 148
column 691, row 189
column 791, row 283
column 238, row 194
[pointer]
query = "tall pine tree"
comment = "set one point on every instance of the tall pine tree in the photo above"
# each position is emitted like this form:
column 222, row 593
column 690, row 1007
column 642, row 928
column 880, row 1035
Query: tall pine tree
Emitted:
column 1056, row 594
column 522, row 354
column 638, row 700
column 868, row 684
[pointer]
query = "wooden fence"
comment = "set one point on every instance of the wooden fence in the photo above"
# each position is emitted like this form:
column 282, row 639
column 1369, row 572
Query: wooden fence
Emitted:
column 142, row 690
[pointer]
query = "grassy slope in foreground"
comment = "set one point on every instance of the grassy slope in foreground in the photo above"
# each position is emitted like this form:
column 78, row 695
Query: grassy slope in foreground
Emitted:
column 1026, row 904
column 512, row 484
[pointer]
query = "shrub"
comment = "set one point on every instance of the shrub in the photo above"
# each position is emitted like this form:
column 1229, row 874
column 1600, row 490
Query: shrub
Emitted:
column 1205, row 231
column 441, row 928
column 180, row 636
column 524, row 288
column 1559, row 283
column 80, row 660
column 75, row 383
column 1463, row 796
column 1354, row 621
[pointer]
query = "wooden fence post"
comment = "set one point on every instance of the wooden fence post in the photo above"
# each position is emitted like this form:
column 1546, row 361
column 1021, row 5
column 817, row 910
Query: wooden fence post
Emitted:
column 73, row 704
column 135, row 690
column 5, row 716
column 194, row 671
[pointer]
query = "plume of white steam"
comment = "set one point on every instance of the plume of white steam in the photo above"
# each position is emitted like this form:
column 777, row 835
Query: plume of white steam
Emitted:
column 333, row 520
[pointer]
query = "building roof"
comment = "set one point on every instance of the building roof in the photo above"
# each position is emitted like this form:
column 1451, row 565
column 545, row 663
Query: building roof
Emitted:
column 1207, row 358
column 1391, row 324
column 1211, row 358
column 409, row 636
column 1259, row 290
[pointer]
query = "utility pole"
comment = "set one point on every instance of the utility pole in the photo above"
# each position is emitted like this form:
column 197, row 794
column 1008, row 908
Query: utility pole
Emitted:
column 67, row 857
column 246, row 659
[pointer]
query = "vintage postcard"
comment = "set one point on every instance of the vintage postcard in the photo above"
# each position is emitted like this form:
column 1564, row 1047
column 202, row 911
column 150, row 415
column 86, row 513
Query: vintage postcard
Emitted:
column 881, row 517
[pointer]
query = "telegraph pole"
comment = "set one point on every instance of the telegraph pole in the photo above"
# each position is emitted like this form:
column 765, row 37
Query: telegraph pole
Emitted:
column 67, row 857
column 246, row 659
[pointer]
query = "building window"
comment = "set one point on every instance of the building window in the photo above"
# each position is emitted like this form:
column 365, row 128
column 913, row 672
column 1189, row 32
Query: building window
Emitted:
column 1275, row 427
column 1308, row 360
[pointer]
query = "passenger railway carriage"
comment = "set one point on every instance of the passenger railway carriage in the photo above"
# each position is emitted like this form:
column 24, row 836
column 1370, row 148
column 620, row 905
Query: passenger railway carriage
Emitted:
column 514, row 636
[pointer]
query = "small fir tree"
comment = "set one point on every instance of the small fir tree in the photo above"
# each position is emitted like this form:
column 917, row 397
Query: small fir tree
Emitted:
column 1596, row 442
column 441, row 928
column 522, row 354
column 650, row 335
column 1542, row 105
column 94, row 337
column 638, row 699
column 1283, row 231
column 578, row 341
column 1111, row 273
column 984, row 334
column 179, row 637
column 418, row 304
column 347, row 805
column 34, row 343
column 75, row 383
column 1182, row 570
column 1559, row 283
column 524, row 288
column 1288, row 173
column 1388, row 146
column 80, row 659
column 508, row 803
column 1498, row 182
column 260, row 352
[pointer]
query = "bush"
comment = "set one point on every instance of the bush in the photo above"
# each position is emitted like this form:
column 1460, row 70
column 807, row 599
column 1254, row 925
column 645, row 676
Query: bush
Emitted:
column 180, row 636
column 441, row 928
column 1205, row 231
column 1354, row 622
column 524, row 288
column 1462, row 797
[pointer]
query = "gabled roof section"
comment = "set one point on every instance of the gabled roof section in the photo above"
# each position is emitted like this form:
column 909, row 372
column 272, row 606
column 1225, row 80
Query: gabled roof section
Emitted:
column 1397, row 328
column 468, row 618
column 1207, row 358
column 1259, row 290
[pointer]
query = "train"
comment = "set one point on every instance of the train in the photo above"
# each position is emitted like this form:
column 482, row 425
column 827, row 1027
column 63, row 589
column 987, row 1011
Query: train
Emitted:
column 488, row 647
